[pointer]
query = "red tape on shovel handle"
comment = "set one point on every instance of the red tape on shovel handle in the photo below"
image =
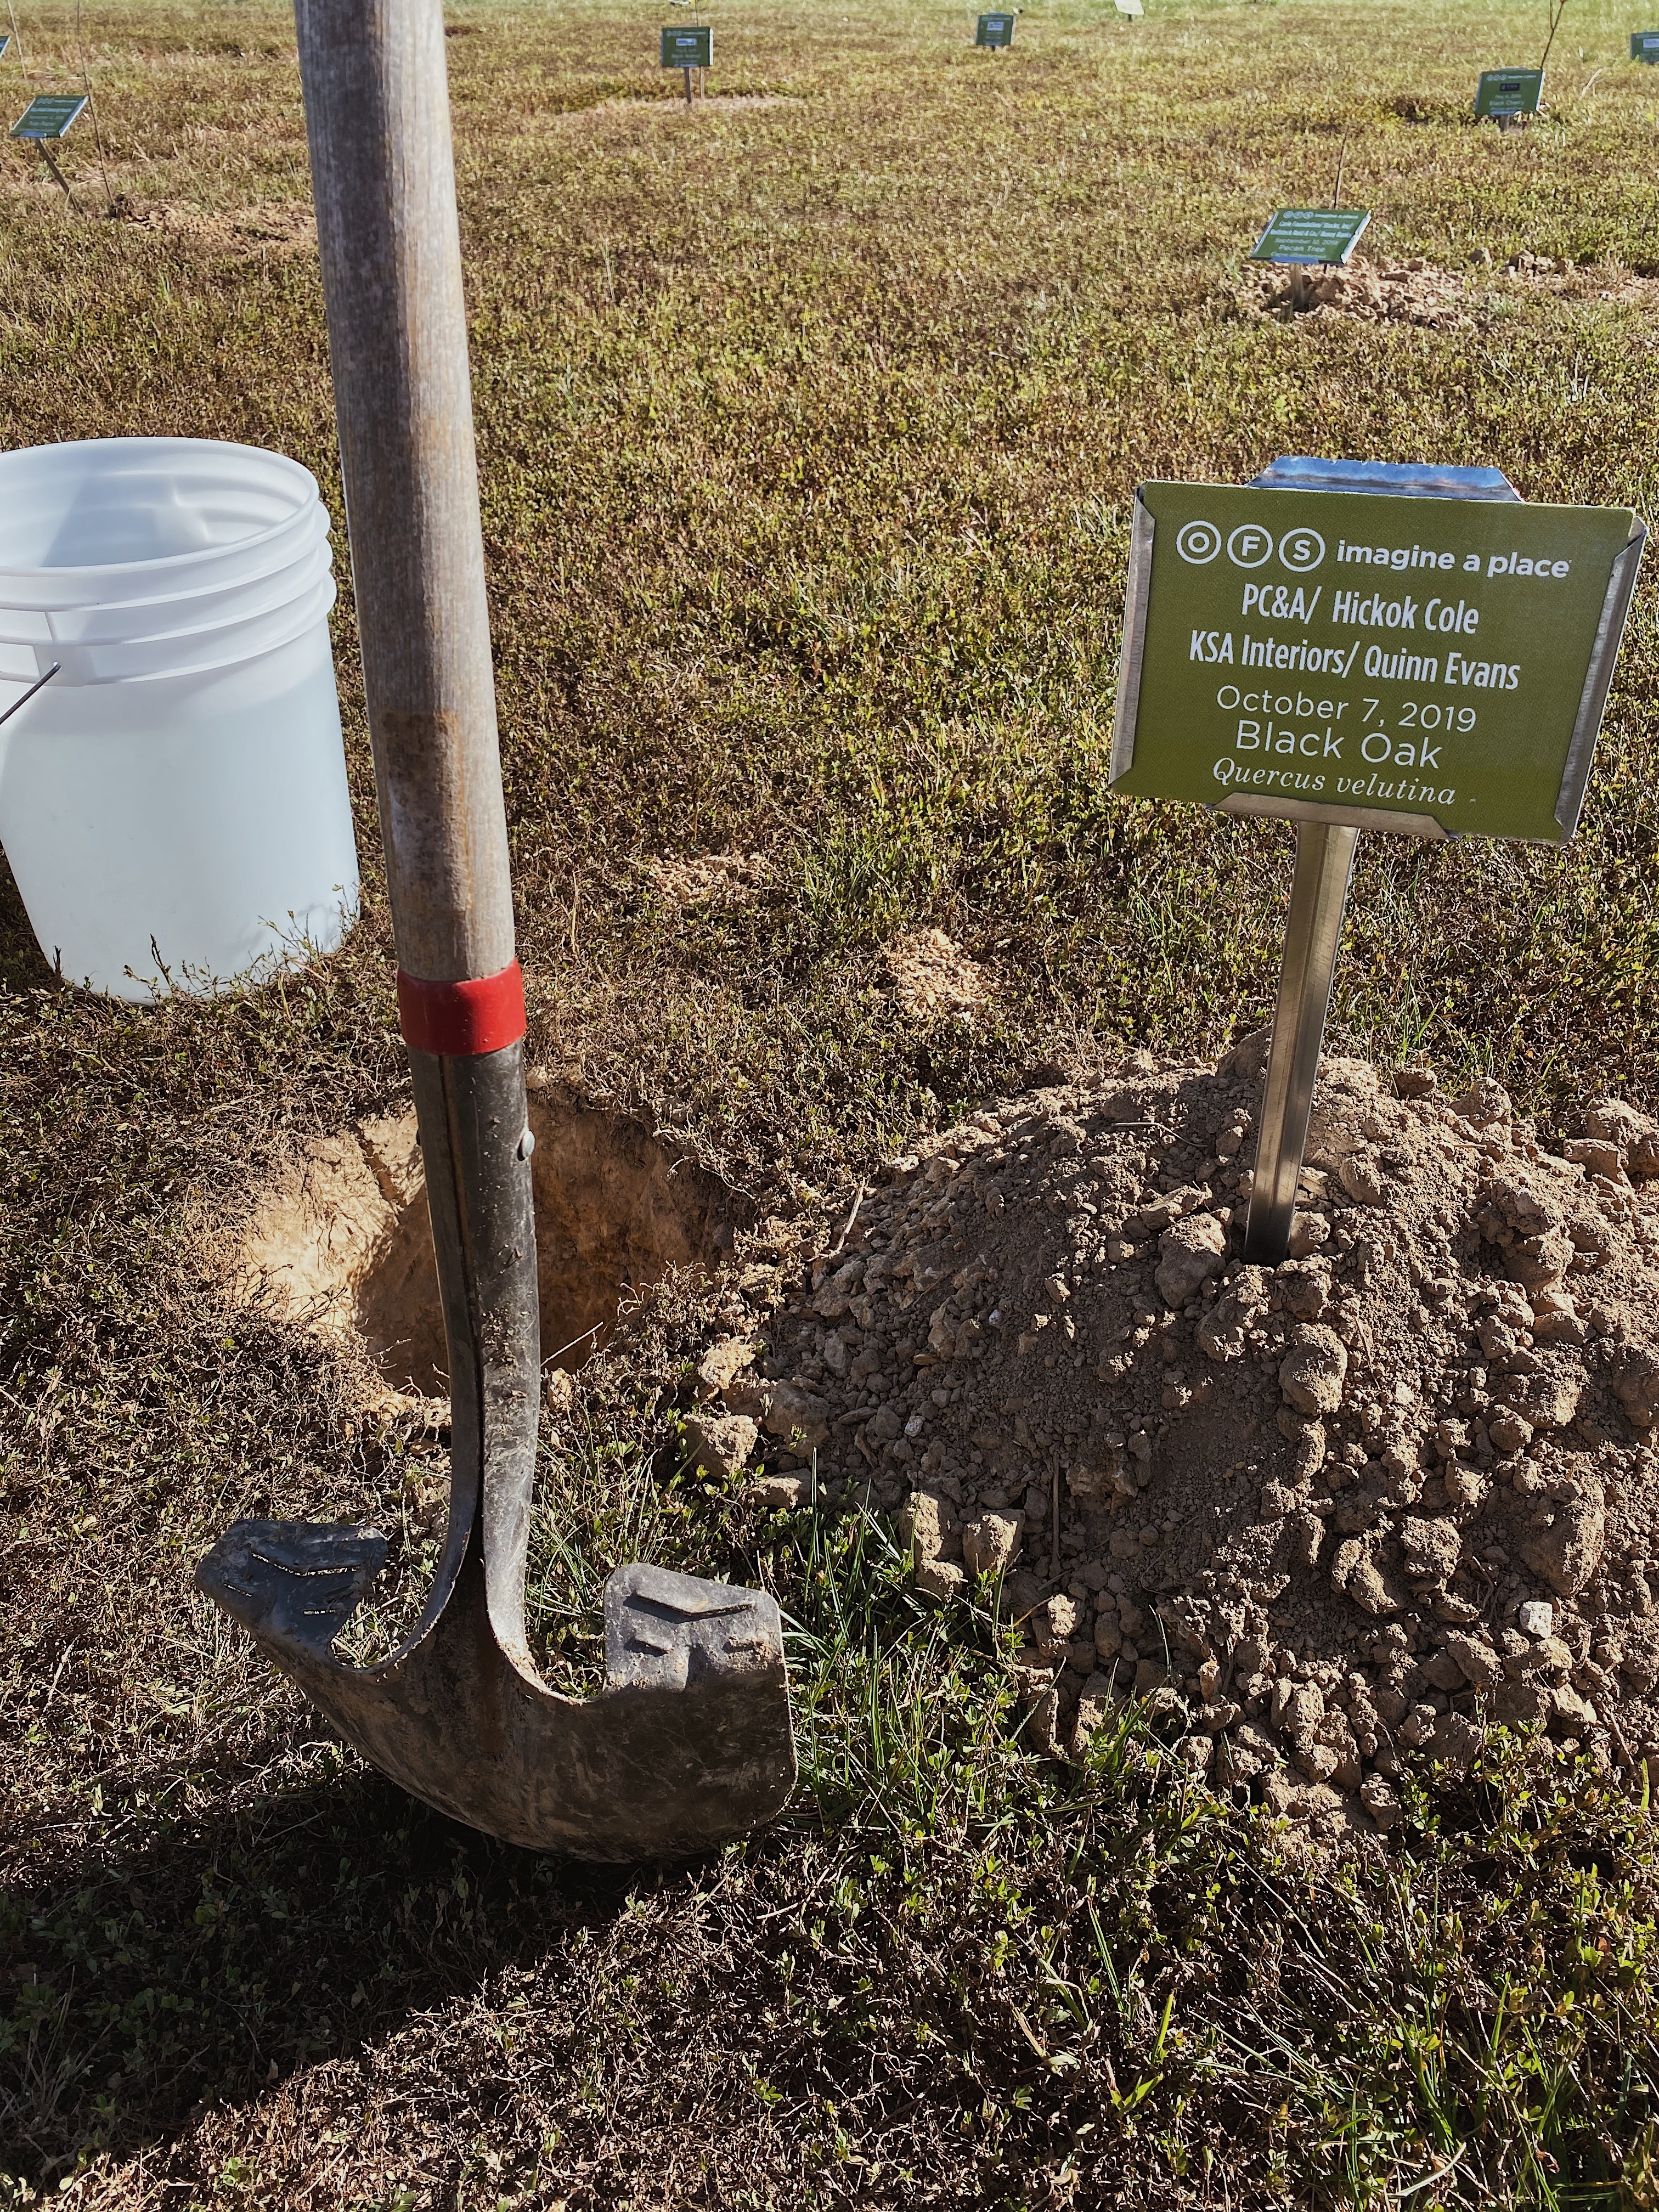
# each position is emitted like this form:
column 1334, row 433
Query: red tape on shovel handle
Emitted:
column 461, row 1020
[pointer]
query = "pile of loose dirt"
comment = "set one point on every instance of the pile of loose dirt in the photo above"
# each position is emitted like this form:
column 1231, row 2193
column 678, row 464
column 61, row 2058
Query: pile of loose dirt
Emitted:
column 670, row 102
column 1419, row 292
column 276, row 230
column 1364, row 291
column 1395, row 1490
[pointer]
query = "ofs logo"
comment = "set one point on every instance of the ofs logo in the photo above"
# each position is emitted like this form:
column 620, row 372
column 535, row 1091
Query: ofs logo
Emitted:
column 1250, row 546
column 1301, row 549
column 1198, row 542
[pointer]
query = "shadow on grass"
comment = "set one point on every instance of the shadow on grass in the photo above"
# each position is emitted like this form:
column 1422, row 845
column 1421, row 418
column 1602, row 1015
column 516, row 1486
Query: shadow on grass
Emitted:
column 204, row 1961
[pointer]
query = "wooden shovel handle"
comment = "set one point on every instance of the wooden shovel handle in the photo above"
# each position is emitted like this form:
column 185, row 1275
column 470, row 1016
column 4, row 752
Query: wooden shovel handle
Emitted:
column 377, row 120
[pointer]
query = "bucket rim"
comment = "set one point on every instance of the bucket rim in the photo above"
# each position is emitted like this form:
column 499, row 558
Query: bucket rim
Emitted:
column 292, row 620
column 111, row 622
column 166, row 565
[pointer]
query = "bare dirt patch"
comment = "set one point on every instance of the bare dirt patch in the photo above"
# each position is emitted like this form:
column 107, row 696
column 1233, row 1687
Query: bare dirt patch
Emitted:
column 343, row 1242
column 276, row 229
column 1373, row 1500
column 932, row 975
column 710, row 879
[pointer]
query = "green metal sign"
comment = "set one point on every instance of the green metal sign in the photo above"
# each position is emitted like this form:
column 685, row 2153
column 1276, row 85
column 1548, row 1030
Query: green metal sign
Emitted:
column 995, row 31
column 1310, row 234
column 1645, row 45
column 49, row 115
column 1436, row 665
column 1507, row 92
column 690, row 45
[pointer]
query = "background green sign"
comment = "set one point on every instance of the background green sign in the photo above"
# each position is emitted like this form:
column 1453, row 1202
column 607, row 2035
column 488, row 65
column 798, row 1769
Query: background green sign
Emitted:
column 1364, row 655
column 1509, row 92
column 690, row 45
column 49, row 115
column 1643, row 47
column 1310, row 234
column 995, row 31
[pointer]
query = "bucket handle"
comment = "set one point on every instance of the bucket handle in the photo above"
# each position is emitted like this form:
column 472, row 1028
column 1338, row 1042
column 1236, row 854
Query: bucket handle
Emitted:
column 39, row 685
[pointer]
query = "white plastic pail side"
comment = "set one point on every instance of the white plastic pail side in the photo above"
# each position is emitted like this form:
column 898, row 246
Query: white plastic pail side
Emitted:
column 202, row 834
column 100, row 521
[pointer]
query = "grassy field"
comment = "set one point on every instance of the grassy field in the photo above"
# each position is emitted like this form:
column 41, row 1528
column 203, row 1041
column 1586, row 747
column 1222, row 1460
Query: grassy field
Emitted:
column 808, row 424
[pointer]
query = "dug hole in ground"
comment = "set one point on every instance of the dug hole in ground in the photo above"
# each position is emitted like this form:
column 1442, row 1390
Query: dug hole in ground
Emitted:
column 344, row 1242
column 1323, row 1516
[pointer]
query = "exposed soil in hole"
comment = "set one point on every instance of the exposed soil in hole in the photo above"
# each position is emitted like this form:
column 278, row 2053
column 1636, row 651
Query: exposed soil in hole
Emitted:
column 344, row 1242
column 1372, row 1500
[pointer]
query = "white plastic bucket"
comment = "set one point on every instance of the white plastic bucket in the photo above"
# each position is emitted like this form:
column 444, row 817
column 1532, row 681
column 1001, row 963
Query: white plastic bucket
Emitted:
column 173, row 802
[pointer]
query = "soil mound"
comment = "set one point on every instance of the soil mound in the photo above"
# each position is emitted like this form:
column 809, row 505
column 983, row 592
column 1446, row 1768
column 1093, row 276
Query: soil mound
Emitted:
column 1363, row 291
column 1396, row 1490
column 1434, row 299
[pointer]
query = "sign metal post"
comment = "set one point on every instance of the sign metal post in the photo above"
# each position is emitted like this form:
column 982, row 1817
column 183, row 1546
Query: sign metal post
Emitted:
column 44, row 121
column 1319, row 898
column 1356, row 645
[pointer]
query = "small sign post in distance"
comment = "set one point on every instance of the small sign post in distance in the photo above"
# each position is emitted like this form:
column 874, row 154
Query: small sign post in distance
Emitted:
column 1509, row 96
column 688, row 47
column 1355, row 645
column 1309, row 238
column 996, row 30
column 1132, row 9
column 1644, row 46
column 44, row 122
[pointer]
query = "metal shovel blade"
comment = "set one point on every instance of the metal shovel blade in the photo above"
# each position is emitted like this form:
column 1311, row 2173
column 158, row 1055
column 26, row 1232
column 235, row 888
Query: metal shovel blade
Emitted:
column 689, row 1742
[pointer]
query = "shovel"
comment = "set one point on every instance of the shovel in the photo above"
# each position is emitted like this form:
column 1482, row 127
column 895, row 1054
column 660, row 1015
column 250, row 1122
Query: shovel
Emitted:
column 689, row 1742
